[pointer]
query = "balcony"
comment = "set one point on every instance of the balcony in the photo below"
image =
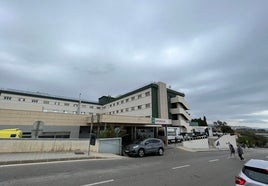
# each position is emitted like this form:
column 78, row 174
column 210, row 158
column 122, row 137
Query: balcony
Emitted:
column 181, row 100
column 181, row 111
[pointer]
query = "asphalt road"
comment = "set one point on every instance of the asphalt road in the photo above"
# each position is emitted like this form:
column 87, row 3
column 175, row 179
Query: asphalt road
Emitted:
column 176, row 167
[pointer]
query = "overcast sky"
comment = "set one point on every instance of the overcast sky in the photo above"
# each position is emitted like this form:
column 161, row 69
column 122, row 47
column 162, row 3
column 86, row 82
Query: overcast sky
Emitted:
column 216, row 52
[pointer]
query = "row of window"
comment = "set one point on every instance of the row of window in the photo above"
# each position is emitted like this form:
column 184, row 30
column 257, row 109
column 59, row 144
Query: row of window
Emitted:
column 49, row 102
column 139, row 107
column 67, row 112
column 133, row 98
column 83, row 106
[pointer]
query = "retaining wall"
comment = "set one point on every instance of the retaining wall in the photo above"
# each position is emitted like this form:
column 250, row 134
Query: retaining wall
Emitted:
column 109, row 145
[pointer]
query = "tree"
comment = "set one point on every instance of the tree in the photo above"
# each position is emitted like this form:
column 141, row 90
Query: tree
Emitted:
column 220, row 126
column 200, row 121
column 111, row 132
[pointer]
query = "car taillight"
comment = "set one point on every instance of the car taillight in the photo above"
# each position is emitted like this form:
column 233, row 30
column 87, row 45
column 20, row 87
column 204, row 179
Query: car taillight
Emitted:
column 240, row 181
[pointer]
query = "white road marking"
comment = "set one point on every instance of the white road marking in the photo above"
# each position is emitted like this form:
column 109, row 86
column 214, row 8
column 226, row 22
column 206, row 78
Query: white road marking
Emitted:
column 98, row 183
column 213, row 160
column 183, row 166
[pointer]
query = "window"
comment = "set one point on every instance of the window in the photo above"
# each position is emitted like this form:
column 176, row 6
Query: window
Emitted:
column 117, row 103
column 91, row 107
column 147, row 93
column 127, row 100
column 147, row 105
column 75, row 105
column 122, row 101
column 84, row 106
column 98, row 108
column 256, row 174
column 174, row 105
column 139, row 96
column 66, row 104
column 132, row 108
column 126, row 109
column 7, row 97
column 139, row 107
column 34, row 101
column 122, row 110
column 132, row 98
column 46, row 102
column 21, row 99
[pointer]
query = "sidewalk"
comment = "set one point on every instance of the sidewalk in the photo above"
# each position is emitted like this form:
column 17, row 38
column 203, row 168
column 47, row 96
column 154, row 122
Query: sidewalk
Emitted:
column 18, row 158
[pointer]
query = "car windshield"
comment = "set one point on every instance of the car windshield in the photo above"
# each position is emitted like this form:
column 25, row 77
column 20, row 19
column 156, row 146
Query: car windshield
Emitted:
column 137, row 142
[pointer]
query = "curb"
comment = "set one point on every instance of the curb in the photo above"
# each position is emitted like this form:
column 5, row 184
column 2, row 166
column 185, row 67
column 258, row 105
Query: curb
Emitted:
column 47, row 160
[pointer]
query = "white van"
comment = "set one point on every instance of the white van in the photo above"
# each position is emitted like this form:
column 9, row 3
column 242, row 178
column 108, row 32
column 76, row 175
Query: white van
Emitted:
column 173, row 134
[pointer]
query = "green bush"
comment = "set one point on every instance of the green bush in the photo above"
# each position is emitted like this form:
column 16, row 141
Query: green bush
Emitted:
column 111, row 132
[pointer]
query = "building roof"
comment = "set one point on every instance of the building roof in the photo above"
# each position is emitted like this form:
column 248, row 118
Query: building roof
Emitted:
column 102, row 100
column 43, row 95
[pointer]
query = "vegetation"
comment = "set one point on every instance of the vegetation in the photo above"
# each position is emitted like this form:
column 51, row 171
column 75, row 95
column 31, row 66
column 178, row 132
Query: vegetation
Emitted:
column 246, row 136
column 220, row 126
column 200, row 121
column 111, row 132
column 249, row 138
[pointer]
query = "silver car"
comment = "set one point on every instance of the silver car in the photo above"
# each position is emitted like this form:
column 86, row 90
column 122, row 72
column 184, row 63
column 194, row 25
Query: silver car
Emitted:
column 254, row 172
column 147, row 146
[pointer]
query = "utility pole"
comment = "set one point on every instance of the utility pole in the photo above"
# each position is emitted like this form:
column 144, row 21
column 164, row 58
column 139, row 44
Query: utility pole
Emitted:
column 91, row 127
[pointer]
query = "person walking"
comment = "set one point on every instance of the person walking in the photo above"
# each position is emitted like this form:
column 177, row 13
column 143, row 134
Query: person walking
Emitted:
column 232, row 150
column 218, row 145
column 240, row 152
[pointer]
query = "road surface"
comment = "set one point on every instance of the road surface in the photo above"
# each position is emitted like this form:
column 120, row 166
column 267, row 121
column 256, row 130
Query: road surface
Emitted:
column 176, row 167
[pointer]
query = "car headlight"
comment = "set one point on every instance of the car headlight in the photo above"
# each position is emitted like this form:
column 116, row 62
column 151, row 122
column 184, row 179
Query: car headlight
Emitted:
column 136, row 146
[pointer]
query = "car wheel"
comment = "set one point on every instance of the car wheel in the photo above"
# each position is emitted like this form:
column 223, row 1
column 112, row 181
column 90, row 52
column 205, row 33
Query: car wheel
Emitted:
column 141, row 153
column 160, row 151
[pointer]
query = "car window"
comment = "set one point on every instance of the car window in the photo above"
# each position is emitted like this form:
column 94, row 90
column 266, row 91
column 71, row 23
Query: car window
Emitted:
column 137, row 142
column 13, row 135
column 154, row 141
column 148, row 141
column 260, row 175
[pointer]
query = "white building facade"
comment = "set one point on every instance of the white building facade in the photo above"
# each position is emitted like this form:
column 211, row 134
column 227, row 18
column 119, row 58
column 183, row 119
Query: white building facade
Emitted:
column 151, row 101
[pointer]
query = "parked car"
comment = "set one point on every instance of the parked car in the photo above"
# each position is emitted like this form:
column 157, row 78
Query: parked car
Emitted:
column 147, row 146
column 179, row 138
column 254, row 172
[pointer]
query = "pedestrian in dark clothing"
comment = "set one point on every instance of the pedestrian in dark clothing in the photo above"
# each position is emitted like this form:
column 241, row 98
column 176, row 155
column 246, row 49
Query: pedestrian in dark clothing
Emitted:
column 240, row 152
column 232, row 150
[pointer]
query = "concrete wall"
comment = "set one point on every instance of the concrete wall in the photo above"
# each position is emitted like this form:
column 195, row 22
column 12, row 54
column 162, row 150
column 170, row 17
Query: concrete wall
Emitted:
column 225, row 139
column 23, row 145
column 162, row 101
column 109, row 145
column 196, row 144
column 19, row 117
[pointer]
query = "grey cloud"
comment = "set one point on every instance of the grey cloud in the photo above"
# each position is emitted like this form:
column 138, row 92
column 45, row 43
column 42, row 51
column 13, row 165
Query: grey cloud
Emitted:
column 214, row 52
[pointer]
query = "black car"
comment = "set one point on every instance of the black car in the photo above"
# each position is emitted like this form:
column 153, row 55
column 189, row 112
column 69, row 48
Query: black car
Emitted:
column 147, row 146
